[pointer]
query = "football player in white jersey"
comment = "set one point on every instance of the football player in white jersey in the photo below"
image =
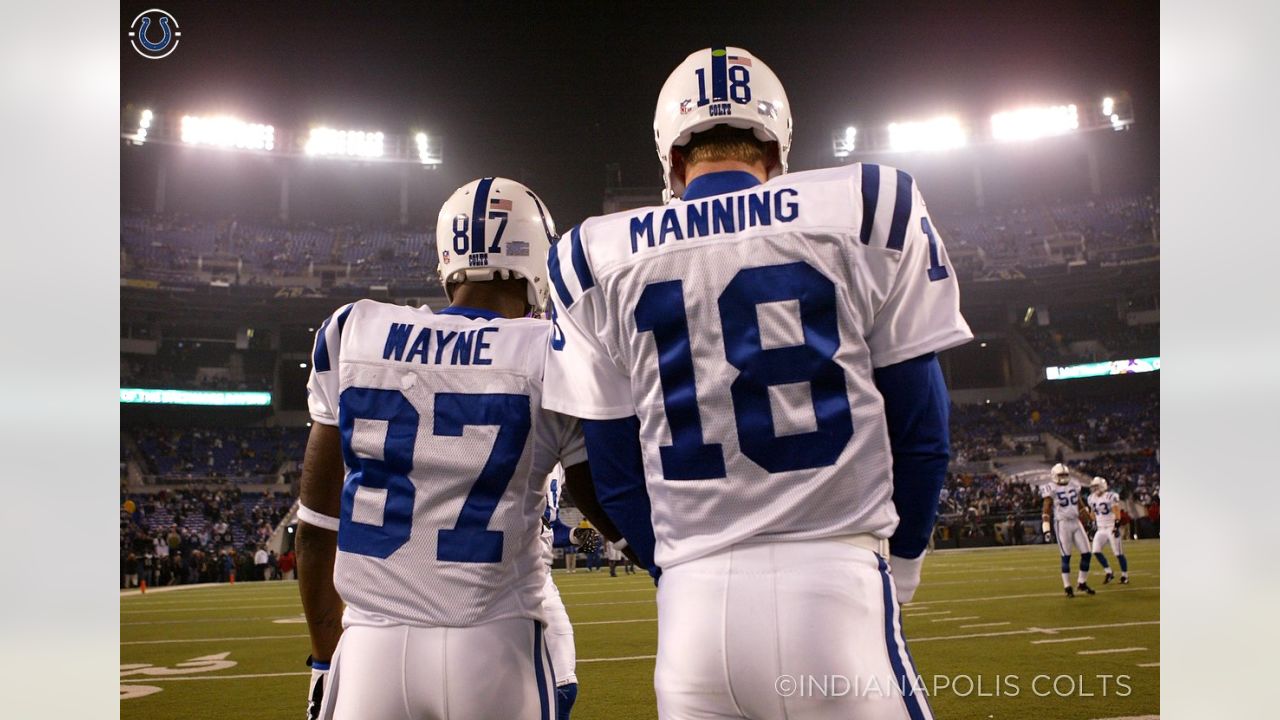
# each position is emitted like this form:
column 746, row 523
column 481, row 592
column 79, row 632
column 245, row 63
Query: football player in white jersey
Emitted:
column 429, row 457
column 559, row 632
column 1063, row 493
column 755, row 368
column 1105, row 505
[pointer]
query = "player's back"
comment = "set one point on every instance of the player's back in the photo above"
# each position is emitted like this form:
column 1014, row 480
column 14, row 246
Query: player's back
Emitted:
column 447, row 452
column 749, row 324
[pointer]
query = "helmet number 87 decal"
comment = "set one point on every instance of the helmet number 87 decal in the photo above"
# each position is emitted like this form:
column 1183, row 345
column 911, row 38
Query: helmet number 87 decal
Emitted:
column 730, row 79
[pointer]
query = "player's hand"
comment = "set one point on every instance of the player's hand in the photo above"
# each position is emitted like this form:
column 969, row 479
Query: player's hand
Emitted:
column 1048, row 538
column 1115, row 531
column 906, row 576
column 319, row 684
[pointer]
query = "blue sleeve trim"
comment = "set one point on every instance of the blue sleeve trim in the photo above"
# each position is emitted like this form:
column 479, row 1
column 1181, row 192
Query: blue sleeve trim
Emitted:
column 617, row 470
column 557, row 280
column 870, row 199
column 917, row 410
column 320, row 358
column 579, row 258
column 901, row 213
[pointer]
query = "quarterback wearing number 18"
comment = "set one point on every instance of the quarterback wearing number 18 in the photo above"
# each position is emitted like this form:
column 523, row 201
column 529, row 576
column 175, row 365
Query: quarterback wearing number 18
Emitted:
column 754, row 365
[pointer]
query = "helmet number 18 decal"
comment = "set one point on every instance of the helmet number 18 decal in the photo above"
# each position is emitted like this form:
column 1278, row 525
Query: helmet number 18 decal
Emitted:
column 730, row 78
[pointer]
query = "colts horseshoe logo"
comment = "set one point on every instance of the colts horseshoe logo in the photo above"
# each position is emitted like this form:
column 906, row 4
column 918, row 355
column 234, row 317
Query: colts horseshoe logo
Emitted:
column 142, row 34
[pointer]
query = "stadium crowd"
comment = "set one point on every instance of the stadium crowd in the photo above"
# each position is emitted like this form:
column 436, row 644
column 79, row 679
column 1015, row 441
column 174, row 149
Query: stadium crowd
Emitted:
column 203, row 453
column 988, row 243
column 176, row 537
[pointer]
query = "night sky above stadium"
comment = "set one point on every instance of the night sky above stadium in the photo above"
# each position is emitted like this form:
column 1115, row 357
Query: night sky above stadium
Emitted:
column 551, row 93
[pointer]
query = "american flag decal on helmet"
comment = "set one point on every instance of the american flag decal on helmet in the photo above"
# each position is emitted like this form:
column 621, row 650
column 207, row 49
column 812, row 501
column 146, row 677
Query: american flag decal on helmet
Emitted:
column 499, row 204
column 739, row 60
column 517, row 248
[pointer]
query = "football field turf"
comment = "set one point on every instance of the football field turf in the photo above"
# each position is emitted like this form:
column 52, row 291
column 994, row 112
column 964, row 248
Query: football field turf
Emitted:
column 990, row 631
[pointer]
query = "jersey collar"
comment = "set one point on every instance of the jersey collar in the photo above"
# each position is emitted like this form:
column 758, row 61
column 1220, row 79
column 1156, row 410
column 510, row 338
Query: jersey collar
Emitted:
column 470, row 312
column 719, row 183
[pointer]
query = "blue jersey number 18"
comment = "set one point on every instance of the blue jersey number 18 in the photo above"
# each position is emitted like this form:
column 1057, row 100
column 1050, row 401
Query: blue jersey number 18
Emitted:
column 661, row 310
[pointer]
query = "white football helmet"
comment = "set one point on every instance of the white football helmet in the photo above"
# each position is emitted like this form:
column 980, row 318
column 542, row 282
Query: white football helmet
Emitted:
column 1060, row 474
column 720, row 86
column 494, row 227
column 1099, row 484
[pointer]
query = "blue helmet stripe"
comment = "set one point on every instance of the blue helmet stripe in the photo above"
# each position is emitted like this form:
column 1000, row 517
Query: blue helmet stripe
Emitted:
column 479, row 209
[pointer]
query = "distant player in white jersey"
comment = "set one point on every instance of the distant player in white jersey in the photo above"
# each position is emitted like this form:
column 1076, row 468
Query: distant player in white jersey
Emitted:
column 1063, row 493
column 1105, row 505
column 429, row 457
column 559, row 632
column 754, row 365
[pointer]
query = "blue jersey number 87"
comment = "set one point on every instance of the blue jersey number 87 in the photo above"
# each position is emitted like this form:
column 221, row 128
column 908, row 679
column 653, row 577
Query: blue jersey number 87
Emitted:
column 469, row 540
column 661, row 311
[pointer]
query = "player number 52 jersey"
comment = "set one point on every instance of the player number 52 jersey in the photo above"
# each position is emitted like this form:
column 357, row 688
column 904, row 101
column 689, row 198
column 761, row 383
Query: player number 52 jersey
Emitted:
column 1066, row 499
column 743, row 329
column 447, row 452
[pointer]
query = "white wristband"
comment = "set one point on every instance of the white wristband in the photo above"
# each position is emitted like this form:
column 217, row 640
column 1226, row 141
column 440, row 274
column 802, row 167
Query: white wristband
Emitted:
column 320, row 520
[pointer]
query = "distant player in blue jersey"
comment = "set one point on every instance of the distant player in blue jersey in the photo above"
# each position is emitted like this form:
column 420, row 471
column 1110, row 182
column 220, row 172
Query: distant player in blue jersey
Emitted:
column 754, row 364
column 421, row 569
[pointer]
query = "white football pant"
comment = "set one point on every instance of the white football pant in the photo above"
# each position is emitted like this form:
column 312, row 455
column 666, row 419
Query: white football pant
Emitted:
column 1103, row 537
column 559, row 635
column 802, row 630
column 400, row 672
column 1071, row 533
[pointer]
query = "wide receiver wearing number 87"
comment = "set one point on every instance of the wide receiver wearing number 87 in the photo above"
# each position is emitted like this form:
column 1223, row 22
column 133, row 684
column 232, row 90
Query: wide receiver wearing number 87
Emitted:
column 754, row 366
column 437, row 419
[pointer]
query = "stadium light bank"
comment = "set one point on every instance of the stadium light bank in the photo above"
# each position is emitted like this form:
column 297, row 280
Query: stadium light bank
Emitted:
column 229, row 133
column 1021, row 124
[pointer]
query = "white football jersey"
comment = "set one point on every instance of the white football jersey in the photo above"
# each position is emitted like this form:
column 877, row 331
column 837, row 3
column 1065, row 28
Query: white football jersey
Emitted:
column 555, row 486
column 742, row 329
column 447, row 450
column 1066, row 499
column 1105, row 507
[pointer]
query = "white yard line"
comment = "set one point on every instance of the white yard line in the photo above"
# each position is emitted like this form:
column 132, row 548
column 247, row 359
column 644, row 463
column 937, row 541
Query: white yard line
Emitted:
column 992, row 598
column 149, row 680
column 912, row 614
column 217, row 639
column 615, row 602
column 1109, row 651
column 1061, row 640
column 614, row 622
column 1031, row 631
column 991, row 624
column 956, row 619
column 1154, row 664
column 609, row 592
column 618, row 659
column 216, row 607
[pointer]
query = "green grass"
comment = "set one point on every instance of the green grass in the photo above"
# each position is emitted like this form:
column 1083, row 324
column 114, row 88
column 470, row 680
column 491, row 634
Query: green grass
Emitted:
column 950, row 627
